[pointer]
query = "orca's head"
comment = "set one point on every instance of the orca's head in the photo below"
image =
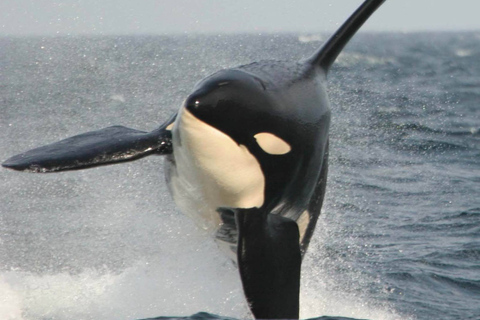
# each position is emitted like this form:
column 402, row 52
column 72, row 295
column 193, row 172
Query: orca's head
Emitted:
column 238, row 104
column 231, row 143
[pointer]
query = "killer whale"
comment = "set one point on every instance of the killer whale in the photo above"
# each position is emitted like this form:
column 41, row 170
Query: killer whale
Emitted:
column 246, row 155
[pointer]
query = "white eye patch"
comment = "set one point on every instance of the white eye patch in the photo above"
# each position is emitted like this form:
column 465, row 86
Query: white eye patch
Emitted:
column 272, row 144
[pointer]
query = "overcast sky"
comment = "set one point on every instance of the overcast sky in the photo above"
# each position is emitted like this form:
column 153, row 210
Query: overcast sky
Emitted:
column 49, row 17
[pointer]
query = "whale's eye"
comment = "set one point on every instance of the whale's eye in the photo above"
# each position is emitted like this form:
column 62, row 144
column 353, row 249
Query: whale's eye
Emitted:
column 272, row 144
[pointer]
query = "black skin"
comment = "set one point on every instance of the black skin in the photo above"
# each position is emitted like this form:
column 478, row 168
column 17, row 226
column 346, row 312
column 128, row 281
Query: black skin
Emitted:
column 297, row 111
column 231, row 98
column 287, row 99
column 269, row 263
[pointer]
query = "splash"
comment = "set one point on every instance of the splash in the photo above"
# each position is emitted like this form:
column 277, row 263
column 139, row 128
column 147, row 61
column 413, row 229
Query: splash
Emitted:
column 10, row 302
column 143, row 290
column 331, row 284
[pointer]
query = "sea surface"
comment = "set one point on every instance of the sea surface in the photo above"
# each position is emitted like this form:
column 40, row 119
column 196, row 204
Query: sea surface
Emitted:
column 399, row 236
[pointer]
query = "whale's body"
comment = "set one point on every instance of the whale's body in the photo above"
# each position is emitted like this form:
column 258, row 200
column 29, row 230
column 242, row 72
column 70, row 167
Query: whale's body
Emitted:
column 278, row 162
column 246, row 157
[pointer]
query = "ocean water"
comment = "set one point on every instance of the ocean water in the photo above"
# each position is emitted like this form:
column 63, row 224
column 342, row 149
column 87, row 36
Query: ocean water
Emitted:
column 399, row 236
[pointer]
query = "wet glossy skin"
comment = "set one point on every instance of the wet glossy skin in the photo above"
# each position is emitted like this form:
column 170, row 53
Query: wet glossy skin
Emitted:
column 282, row 99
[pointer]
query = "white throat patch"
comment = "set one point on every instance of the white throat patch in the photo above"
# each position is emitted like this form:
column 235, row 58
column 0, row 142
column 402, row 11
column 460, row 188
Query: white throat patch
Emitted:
column 212, row 171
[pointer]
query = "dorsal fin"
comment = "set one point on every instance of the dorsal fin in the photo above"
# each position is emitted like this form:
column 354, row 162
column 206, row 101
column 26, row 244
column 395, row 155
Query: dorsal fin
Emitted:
column 329, row 52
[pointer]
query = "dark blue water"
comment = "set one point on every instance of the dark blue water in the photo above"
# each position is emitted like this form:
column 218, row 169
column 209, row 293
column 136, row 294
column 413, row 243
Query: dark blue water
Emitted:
column 400, row 234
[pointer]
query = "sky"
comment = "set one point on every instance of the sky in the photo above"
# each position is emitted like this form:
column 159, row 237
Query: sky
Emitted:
column 119, row 17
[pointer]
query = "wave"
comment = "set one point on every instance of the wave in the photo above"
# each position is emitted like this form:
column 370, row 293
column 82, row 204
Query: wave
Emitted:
column 474, row 212
column 422, row 128
column 429, row 145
